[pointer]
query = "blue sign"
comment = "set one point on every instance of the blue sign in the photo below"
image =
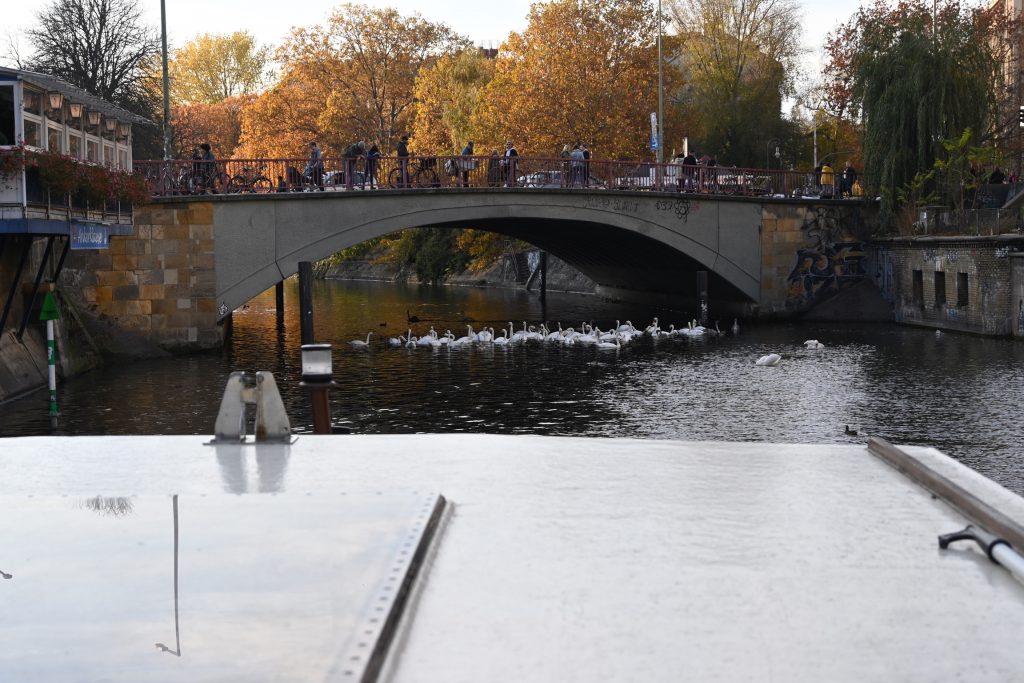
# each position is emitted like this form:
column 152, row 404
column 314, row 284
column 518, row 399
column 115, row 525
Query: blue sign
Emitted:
column 654, row 142
column 89, row 236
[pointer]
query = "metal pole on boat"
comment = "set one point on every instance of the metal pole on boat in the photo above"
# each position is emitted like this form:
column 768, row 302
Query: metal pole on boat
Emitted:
column 50, row 313
column 317, row 376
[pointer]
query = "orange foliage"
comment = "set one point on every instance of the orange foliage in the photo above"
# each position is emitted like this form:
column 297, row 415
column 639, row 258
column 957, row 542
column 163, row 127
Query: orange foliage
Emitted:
column 579, row 72
column 218, row 124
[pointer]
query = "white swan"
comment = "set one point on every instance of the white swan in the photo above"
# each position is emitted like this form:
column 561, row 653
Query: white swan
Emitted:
column 771, row 359
column 360, row 344
column 814, row 344
column 608, row 346
column 502, row 340
column 735, row 326
column 395, row 342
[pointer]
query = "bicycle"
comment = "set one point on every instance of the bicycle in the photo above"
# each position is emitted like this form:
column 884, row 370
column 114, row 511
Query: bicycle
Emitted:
column 250, row 180
column 419, row 173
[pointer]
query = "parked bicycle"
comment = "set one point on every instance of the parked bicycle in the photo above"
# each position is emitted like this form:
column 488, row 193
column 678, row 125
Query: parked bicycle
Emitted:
column 421, row 172
column 250, row 180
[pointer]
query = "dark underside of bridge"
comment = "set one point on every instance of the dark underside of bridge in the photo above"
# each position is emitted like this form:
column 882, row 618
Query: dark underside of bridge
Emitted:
column 616, row 258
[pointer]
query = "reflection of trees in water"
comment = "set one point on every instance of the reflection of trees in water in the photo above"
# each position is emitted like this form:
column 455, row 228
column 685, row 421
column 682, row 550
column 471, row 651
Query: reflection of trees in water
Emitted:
column 107, row 506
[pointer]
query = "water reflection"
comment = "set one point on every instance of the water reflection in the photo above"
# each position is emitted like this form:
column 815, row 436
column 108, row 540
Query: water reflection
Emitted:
column 271, row 466
column 956, row 392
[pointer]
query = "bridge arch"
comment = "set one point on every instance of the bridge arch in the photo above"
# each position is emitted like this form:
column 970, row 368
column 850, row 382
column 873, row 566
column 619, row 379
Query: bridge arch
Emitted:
column 643, row 241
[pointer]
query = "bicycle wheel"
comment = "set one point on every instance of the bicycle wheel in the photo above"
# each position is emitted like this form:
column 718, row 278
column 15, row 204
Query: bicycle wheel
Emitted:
column 426, row 177
column 262, row 184
column 236, row 184
column 395, row 178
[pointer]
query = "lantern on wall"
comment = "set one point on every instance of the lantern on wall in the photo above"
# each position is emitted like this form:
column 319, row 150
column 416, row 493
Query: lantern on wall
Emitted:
column 56, row 100
column 123, row 129
column 75, row 108
column 111, row 125
column 94, row 118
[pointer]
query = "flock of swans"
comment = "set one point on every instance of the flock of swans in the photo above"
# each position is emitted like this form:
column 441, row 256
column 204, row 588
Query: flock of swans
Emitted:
column 612, row 339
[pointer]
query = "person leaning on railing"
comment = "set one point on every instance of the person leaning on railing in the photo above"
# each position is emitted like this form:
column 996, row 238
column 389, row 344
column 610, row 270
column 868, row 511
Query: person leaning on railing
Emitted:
column 402, row 152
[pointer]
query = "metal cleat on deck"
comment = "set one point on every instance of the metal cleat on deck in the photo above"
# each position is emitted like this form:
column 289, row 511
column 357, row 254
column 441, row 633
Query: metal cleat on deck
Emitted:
column 252, row 389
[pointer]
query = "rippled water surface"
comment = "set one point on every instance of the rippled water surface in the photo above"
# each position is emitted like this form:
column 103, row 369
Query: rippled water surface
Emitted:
column 959, row 393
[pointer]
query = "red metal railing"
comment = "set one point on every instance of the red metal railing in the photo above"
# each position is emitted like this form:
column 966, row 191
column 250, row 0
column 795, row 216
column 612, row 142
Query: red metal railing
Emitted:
column 231, row 176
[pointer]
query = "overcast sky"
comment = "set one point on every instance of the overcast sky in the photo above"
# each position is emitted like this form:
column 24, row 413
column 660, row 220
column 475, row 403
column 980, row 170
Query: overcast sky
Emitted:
column 483, row 21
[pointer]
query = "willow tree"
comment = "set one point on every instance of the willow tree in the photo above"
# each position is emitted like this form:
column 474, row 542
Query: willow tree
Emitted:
column 918, row 73
column 448, row 93
column 740, row 60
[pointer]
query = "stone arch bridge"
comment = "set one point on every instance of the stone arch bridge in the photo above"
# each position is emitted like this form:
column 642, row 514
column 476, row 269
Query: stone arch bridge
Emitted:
column 192, row 261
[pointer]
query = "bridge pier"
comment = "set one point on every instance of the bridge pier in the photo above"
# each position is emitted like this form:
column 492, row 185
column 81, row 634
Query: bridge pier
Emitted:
column 279, row 298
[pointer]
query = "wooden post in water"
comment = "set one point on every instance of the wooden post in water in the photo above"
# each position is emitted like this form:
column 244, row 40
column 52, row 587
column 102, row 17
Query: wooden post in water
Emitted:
column 543, row 277
column 279, row 298
column 702, row 295
column 306, row 301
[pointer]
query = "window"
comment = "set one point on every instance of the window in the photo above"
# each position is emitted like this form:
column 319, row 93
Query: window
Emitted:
column 33, row 133
column 92, row 151
column 918, row 288
column 75, row 145
column 122, row 159
column 54, row 139
column 962, row 296
column 7, row 115
column 108, row 155
column 940, row 289
column 30, row 101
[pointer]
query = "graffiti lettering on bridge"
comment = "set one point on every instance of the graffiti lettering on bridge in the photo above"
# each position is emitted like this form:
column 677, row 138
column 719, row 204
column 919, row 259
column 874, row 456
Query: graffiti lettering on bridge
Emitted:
column 612, row 204
column 681, row 207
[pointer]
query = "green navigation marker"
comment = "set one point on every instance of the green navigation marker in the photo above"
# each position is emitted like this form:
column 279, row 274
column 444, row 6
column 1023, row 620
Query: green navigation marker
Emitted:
column 50, row 310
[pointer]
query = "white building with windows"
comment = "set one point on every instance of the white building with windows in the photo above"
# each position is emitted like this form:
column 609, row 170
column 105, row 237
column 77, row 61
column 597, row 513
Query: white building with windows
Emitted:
column 45, row 113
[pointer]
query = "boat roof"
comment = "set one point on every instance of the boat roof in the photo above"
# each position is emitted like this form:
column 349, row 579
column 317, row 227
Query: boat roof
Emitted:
column 556, row 558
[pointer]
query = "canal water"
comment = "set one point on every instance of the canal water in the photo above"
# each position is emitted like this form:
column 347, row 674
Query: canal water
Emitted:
column 961, row 394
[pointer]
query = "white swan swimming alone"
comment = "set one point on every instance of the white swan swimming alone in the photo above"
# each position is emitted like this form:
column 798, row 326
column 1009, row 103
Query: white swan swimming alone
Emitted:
column 771, row 359
column 814, row 344
column 360, row 344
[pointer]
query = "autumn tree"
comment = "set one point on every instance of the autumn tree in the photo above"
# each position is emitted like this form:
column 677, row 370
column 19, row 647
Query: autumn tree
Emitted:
column 583, row 70
column 219, row 124
column 210, row 68
column 918, row 75
column 352, row 79
column 739, row 58
column 448, row 93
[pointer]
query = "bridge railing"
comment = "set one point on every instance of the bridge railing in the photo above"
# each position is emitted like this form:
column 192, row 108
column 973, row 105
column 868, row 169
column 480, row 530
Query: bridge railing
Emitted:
column 230, row 176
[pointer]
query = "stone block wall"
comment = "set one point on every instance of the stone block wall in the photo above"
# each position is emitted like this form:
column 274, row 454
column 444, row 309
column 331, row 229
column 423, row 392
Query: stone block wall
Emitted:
column 1017, row 294
column 155, row 289
column 956, row 283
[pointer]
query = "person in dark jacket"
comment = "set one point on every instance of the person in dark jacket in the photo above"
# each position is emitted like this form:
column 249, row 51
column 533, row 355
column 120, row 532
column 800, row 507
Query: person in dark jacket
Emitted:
column 402, row 152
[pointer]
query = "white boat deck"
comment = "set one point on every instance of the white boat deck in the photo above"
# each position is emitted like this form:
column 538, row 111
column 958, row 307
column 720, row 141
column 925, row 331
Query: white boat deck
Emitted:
column 573, row 559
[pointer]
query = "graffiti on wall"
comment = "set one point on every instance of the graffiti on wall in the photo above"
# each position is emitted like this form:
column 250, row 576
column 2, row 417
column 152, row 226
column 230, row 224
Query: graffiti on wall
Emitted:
column 830, row 264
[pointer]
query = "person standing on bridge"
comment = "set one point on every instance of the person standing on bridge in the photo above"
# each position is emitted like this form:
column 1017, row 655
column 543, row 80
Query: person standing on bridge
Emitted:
column 371, row 166
column 586, row 163
column 468, row 164
column 315, row 167
column 402, row 152
column 209, row 172
column 352, row 154
column 509, row 164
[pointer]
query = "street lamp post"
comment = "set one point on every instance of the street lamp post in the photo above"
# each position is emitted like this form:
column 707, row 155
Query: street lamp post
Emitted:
column 661, row 93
